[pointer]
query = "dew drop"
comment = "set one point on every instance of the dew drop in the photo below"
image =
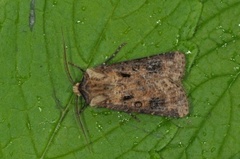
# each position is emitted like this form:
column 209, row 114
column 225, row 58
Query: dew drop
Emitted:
column 54, row 3
column 177, row 39
column 94, row 113
column 107, row 113
column 213, row 149
column 236, row 68
column 39, row 99
column 99, row 127
column 219, row 27
column 157, row 45
column 81, row 21
column 180, row 144
column 143, row 44
column 204, row 142
column 196, row 115
column 40, row 109
column 204, row 133
column 232, row 59
column 159, row 32
column 136, row 142
column 29, row 126
column 159, row 124
column 20, row 83
column 224, row 45
column 159, row 22
column 127, row 30
column 122, row 119
column 83, row 8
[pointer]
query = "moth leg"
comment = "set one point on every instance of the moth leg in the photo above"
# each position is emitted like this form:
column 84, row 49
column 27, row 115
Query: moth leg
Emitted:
column 115, row 53
column 135, row 117
column 57, row 101
column 80, row 110
column 81, row 123
column 78, row 67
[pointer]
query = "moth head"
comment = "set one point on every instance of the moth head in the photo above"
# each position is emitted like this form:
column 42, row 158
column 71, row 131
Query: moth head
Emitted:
column 75, row 89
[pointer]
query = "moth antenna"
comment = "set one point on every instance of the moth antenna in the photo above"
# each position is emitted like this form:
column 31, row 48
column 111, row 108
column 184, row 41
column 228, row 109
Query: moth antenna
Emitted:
column 77, row 110
column 82, row 70
column 65, row 61
column 115, row 53
column 81, row 123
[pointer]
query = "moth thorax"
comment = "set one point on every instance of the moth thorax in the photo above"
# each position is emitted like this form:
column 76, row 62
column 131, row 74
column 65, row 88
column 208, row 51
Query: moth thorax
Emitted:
column 75, row 89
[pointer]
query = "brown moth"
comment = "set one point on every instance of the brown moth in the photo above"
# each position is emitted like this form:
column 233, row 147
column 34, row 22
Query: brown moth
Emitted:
column 150, row 85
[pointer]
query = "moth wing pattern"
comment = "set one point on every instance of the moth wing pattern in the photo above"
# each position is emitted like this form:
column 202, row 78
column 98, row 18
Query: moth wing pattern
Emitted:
column 171, row 65
column 150, row 85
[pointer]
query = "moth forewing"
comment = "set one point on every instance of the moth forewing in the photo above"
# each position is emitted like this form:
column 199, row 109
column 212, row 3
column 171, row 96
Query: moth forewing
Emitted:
column 150, row 85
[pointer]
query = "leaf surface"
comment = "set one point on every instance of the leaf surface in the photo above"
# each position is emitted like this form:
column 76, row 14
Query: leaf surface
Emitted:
column 37, row 118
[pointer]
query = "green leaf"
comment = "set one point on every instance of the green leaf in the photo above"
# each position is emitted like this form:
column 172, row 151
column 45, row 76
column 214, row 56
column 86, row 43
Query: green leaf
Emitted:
column 37, row 118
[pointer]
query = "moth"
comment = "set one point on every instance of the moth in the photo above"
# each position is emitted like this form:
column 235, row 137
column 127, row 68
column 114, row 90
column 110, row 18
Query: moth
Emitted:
column 150, row 85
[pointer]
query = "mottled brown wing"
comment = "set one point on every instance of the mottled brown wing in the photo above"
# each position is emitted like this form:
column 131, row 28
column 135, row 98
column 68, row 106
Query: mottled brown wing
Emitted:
column 149, row 85
column 171, row 65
